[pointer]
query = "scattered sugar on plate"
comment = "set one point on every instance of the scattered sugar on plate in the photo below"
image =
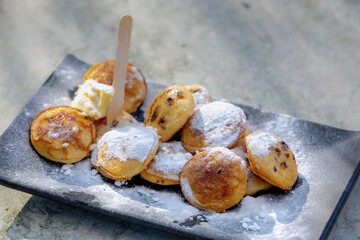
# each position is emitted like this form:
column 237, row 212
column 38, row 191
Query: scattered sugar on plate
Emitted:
column 94, row 172
column 120, row 183
column 66, row 169
column 156, row 199
column 141, row 192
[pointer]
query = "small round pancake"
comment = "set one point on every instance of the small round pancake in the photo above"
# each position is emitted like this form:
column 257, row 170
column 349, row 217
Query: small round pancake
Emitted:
column 214, row 179
column 216, row 124
column 135, row 84
column 169, row 111
column 167, row 164
column 125, row 119
column 62, row 134
column 271, row 159
column 254, row 183
column 124, row 152
column 200, row 93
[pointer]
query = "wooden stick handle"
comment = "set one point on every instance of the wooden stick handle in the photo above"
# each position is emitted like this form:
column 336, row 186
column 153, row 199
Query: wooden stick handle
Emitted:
column 122, row 53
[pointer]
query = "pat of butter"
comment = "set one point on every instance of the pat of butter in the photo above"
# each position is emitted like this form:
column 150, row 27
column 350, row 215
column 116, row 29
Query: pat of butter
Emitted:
column 93, row 98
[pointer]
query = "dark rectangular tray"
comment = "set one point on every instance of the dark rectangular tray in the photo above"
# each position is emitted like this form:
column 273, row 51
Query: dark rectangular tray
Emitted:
column 327, row 157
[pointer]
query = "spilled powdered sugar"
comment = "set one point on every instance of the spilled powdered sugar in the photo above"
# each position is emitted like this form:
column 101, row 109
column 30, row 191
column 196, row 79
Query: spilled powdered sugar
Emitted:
column 130, row 142
column 66, row 169
column 171, row 157
column 257, row 215
column 218, row 122
column 120, row 183
column 260, row 143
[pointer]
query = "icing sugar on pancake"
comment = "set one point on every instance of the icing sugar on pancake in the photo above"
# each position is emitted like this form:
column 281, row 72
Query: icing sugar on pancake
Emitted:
column 240, row 151
column 201, row 94
column 135, row 88
column 124, row 152
column 214, row 179
column 167, row 164
column 261, row 143
column 216, row 124
column 62, row 134
column 271, row 159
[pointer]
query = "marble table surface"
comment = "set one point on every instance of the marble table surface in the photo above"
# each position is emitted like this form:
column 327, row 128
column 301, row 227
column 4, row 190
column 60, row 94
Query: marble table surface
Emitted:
column 299, row 58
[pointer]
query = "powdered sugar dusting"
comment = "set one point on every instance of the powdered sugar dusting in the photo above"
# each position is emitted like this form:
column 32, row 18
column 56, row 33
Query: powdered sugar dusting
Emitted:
column 228, row 155
column 240, row 151
column 120, row 183
column 171, row 157
column 61, row 130
column 93, row 158
column 260, row 143
column 134, row 78
column 201, row 96
column 66, row 169
column 130, row 142
column 218, row 123
column 185, row 187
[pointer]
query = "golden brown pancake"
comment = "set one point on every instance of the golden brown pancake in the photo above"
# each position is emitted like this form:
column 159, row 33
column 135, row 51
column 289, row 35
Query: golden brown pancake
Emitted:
column 169, row 111
column 124, row 152
column 62, row 134
column 135, row 84
column 271, row 159
column 214, row 179
column 216, row 124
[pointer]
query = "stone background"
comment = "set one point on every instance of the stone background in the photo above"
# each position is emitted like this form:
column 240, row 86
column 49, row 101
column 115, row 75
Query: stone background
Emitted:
column 299, row 58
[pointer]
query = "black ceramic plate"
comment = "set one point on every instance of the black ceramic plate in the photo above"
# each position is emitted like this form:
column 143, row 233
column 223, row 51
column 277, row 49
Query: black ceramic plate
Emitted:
column 327, row 162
